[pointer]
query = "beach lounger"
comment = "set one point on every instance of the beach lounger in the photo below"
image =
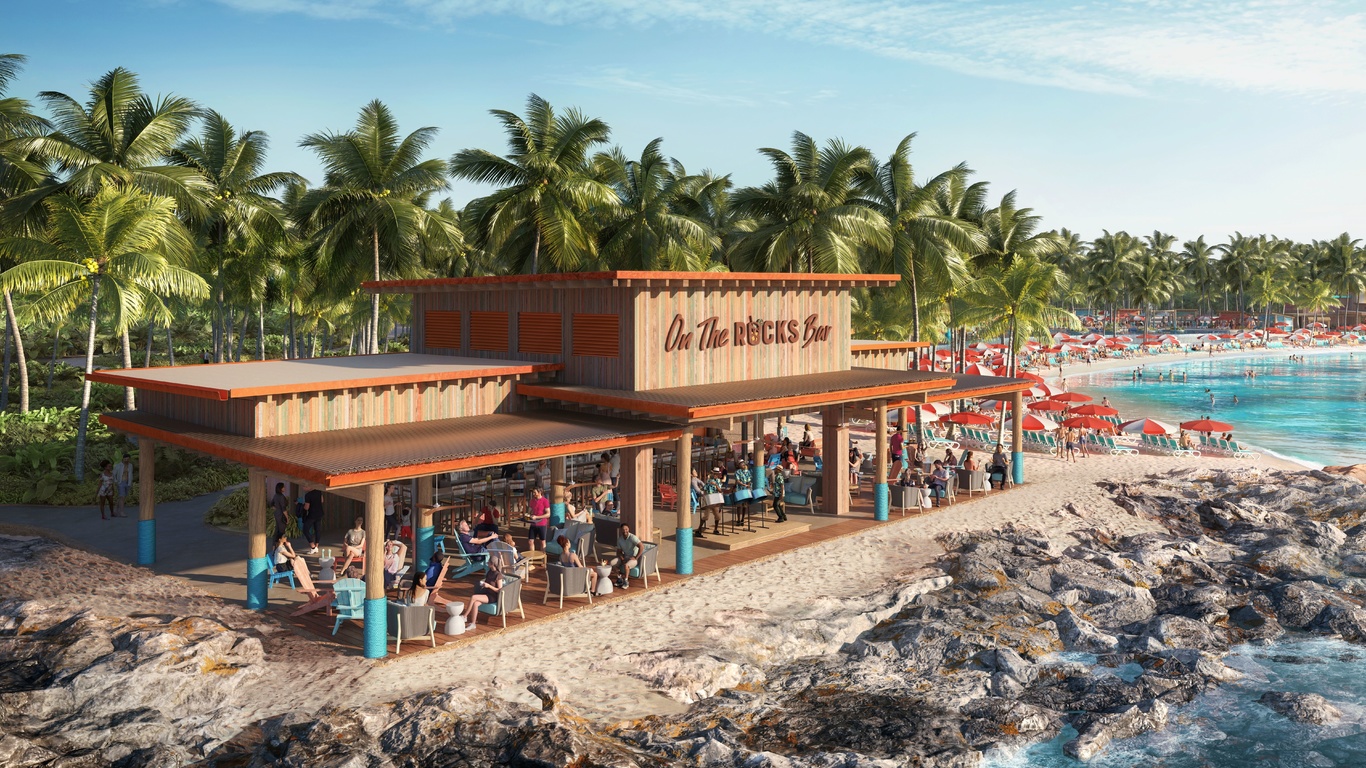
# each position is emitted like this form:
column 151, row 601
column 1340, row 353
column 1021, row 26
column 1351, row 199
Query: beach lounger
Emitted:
column 1239, row 452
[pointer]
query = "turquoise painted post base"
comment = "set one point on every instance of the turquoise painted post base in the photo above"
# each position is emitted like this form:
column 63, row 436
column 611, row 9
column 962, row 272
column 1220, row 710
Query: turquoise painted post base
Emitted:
column 557, row 513
column 882, row 502
column 258, row 583
column 1017, row 467
column 147, row 542
column 683, row 551
column 376, row 627
column 760, row 480
column 425, row 546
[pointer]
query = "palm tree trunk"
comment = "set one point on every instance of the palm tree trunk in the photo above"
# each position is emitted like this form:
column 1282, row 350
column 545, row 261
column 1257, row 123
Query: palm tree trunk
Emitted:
column 170, row 346
column 374, row 298
column 151, row 331
column 52, row 364
column 242, row 336
column 536, row 253
column 290, row 351
column 78, row 464
column 125, row 342
column 261, row 330
column 19, row 353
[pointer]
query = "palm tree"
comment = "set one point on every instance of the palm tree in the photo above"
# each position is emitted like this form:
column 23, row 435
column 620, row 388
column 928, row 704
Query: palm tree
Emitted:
column 1010, row 231
column 1343, row 264
column 1313, row 297
column 1237, row 264
column 879, row 314
column 648, row 230
column 1112, row 260
column 21, row 170
column 239, row 211
column 375, row 199
column 1269, row 287
column 926, row 246
column 1149, row 283
column 128, row 240
column 807, row 218
column 1200, row 267
column 119, row 137
column 547, row 192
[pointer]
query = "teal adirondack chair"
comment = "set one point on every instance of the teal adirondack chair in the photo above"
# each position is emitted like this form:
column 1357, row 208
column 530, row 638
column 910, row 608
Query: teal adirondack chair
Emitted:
column 348, row 601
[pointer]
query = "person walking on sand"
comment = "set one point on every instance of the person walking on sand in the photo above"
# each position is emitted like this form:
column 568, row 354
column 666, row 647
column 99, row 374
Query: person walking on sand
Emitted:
column 104, row 493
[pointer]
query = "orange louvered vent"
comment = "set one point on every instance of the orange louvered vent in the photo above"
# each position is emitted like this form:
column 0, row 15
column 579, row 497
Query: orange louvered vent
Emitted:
column 597, row 335
column 441, row 329
column 489, row 331
column 541, row 332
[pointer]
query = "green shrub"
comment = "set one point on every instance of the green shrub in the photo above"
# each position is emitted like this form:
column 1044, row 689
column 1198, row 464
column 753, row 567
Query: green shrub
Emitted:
column 231, row 512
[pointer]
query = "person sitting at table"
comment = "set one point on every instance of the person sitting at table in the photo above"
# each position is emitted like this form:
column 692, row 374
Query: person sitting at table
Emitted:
column 950, row 460
column 602, row 493
column 395, row 556
column 578, row 513
column 628, row 555
column 790, row 465
column 521, row 566
column 939, row 481
column 970, row 462
column 999, row 466
column 419, row 594
column 917, row 457
column 487, row 521
column 473, row 544
column 817, row 459
column 568, row 557
column 909, row 476
column 353, row 543
column 807, row 440
column 485, row 593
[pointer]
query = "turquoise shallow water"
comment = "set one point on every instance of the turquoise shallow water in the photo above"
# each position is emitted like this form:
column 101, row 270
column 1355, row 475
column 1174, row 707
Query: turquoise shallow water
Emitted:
column 1227, row 728
column 1312, row 410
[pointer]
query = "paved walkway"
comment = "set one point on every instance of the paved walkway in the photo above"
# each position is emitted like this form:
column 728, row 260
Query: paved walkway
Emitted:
column 213, row 558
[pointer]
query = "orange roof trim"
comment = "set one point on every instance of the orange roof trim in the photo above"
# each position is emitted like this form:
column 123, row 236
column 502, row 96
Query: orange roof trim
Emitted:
column 625, row 276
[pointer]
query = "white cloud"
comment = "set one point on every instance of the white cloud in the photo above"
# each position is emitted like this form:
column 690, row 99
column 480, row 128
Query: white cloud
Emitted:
column 1311, row 47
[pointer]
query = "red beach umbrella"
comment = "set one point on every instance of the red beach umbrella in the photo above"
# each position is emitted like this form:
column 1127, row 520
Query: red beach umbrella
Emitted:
column 1072, row 397
column 977, row 369
column 1095, row 410
column 1047, row 405
column 1146, row 427
column 1089, row 422
column 1034, row 377
column 1207, row 425
column 1032, row 423
column 968, row 417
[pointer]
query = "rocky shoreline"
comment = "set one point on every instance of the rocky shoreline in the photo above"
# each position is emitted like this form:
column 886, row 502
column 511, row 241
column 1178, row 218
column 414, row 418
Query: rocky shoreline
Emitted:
column 945, row 667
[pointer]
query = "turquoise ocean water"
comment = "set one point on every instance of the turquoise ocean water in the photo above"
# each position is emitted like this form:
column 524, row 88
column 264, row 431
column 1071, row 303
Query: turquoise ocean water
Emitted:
column 1227, row 728
column 1311, row 411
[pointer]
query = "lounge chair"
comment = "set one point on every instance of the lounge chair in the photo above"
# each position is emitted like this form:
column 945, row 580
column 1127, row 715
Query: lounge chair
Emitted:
column 509, row 599
column 507, row 559
column 668, row 496
column 348, row 598
column 414, row 622
column 474, row 563
column 798, row 493
column 972, row 481
column 278, row 576
column 647, row 563
column 565, row 581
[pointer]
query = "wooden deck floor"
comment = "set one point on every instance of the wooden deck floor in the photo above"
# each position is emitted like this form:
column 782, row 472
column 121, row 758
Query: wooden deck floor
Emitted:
column 318, row 625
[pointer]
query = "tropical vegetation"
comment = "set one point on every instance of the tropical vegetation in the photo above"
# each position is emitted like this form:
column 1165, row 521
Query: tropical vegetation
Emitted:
column 141, row 229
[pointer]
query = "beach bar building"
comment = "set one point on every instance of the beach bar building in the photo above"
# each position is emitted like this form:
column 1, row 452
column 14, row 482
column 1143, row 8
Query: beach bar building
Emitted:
column 540, row 367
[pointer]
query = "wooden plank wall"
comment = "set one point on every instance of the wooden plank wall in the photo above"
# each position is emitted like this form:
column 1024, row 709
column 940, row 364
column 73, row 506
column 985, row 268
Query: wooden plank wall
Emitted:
column 237, row 417
column 656, row 309
column 614, row 373
column 376, row 406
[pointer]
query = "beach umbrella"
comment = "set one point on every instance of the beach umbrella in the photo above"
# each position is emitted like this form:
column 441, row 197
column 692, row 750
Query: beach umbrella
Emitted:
column 978, row 369
column 1208, row 337
column 1032, row 423
column 1034, row 377
column 1041, row 391
column 1047, row 405
column 1359, row 327
column 981, row 346
column 943, row 353
column 1324, row 336
column 1124, row 339
column 1089, row 422
column 1146, row 427
column 995, row 405
column 1091, row 409
column 933, row 409
column 1316, row 325
column 1072, row 397
column 1207, row 425
column 968, row 417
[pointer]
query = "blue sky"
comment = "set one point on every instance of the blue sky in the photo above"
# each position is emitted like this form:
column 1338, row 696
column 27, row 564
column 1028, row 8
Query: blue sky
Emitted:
column 1191, row 117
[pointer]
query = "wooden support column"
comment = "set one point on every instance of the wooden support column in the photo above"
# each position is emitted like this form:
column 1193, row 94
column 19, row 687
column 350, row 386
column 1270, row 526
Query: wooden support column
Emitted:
column 376, row 629
column 635, row 490
column 835, row 450
column 557, row 492
column 423, row 530
column 881, row 497
column 1017, row 435
column 147, row 505
column 683, row 533
column 760, row 458
column 258, row 562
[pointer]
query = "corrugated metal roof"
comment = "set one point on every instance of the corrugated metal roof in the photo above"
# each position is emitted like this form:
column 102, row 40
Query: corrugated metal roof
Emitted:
column 221, row 381
column 624, row 277
column 366, row 454
column 682, row 401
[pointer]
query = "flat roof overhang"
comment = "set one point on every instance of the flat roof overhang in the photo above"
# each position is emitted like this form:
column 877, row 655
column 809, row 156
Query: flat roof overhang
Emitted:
column 226, row 381
column 967, row 387
column 347, row 457
column 625, row 278
column 874, row 345
column 782, row 393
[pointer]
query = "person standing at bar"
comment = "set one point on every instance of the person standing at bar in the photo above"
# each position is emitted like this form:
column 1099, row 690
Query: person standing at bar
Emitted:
column 280, row 505
column 313, row 518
